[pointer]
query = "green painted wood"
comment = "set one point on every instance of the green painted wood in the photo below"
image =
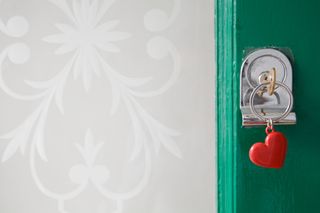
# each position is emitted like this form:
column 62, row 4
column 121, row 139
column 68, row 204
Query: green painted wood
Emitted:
column 225, row 107
column 295, row 25
column 291, row 24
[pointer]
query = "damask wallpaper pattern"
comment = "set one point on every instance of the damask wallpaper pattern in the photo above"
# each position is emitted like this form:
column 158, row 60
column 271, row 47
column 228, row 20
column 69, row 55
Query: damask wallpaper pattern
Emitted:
column 106, row 106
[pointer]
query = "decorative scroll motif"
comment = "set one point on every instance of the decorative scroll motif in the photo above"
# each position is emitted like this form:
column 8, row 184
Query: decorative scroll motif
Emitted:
column 83, row 38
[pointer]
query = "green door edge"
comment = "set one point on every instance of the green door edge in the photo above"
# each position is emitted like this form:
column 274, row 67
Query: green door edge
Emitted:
column 226, row 105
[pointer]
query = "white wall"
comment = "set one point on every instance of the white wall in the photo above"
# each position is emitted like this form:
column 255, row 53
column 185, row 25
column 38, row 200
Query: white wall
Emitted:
column 107, row 106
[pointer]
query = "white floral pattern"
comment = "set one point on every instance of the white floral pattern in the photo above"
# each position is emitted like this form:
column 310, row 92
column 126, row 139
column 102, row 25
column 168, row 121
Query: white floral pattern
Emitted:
column 89, row 171
column 86, row 37
column 85, row 34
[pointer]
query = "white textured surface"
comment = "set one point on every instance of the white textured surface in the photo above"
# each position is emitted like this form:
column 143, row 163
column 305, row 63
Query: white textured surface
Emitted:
column 107, row 106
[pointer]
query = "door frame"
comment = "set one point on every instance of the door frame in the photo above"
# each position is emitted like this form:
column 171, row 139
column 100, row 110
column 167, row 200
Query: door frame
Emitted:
column 226, row 104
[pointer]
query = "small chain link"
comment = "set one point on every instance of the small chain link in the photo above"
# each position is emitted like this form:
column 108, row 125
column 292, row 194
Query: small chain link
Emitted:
column 269, row 127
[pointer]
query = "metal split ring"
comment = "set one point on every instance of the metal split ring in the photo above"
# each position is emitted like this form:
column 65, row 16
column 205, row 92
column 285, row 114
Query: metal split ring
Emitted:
column 283, row 115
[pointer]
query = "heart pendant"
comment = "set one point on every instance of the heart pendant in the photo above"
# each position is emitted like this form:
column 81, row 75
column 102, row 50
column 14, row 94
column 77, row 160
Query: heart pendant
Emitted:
column 271, row 153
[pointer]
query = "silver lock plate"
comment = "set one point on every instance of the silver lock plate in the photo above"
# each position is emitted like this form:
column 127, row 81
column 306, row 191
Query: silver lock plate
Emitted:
column 255, row 70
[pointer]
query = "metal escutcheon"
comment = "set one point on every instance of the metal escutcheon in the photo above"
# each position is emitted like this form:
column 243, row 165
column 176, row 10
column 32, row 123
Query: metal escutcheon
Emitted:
column 256, row 104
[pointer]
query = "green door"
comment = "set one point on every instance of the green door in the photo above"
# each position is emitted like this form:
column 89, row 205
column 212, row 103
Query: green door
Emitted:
column 244, row 187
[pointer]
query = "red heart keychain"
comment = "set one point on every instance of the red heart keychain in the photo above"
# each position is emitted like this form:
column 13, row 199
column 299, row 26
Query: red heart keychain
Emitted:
column 271, row 153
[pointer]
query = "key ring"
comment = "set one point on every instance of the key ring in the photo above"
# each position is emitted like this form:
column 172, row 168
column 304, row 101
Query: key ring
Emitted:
column 283, row 115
